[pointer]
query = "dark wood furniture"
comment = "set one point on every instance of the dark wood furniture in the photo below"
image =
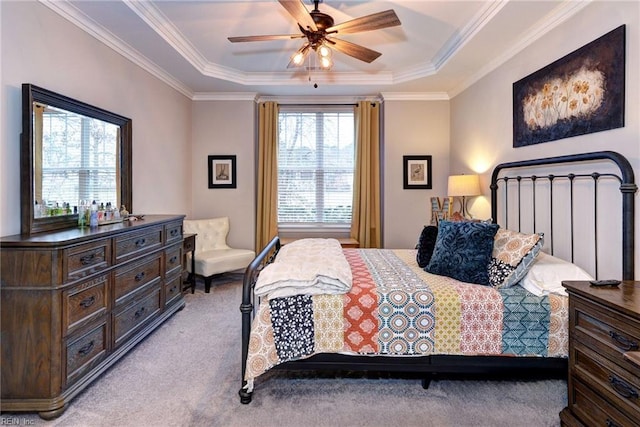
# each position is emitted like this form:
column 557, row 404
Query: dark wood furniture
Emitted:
column 189, row 245
column 505, row 212
column 604, row 370
column 75, row 301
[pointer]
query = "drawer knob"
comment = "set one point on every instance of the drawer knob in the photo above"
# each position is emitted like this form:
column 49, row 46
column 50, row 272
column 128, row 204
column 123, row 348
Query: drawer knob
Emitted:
column 139, row 313
column 139, row 276
column 88, row 302
column 141, row 242
column 86, row 349
column 174, row 232
column 625, row 342
column 622, row 388
column 88, row 259
column 611, row 423
column 173, row 259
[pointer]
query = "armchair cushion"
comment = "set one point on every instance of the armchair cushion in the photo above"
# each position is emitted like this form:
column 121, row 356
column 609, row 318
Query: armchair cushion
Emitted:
column 212, row 254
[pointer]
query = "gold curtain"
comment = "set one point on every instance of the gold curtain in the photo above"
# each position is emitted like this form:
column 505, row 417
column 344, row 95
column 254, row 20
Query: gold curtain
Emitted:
column 267, row 211
column 365, row 224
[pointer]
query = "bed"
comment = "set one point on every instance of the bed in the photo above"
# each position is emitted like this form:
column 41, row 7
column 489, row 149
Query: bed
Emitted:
column 447, row 316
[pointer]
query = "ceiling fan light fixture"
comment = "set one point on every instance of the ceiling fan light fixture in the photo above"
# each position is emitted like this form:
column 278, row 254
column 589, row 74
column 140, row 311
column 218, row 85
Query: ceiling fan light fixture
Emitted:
column 324, row 51
column 325, row 62
column 299, row 57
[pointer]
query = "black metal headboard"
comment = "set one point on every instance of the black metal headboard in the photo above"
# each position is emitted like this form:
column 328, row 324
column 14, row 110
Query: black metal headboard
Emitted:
column 625, row 176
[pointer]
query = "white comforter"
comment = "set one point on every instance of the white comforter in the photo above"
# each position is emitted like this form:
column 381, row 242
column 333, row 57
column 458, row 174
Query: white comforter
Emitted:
column 306, row 267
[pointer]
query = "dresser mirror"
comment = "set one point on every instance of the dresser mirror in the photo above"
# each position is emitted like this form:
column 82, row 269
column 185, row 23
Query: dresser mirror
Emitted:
column 71, row 153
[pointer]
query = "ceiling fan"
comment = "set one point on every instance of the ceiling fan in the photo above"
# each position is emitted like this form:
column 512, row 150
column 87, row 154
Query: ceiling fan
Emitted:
column 319, row 30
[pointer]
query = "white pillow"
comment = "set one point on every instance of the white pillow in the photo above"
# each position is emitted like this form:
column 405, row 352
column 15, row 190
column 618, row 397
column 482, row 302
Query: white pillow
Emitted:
column 547, row 273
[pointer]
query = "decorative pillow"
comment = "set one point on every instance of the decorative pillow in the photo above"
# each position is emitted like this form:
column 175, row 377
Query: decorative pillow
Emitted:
column 463, row 251
column 513, row 254
column 426, row 243
column 547, row 273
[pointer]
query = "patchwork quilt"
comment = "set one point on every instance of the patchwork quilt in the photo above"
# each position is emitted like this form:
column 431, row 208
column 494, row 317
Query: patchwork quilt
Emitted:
column 395, row 308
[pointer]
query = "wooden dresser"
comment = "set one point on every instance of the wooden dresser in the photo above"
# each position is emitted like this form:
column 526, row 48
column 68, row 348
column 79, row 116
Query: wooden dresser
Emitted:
column 604, row 369
column 75, row 301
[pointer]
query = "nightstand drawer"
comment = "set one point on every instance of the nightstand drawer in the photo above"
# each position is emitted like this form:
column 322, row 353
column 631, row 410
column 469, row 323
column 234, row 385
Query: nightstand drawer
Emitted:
column 593, row 410
column 607, row 333
column 609, row 380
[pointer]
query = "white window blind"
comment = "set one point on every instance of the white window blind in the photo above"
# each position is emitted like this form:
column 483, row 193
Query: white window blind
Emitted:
column 315, row 166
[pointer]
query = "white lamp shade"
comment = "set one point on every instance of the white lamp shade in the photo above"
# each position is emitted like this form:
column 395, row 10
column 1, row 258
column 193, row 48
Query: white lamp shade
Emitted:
column 464, row 185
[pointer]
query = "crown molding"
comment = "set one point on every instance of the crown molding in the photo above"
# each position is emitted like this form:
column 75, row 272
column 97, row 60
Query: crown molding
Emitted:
column 153, row 17
column 317, row 100
column 88, row 25
column 559, row 15
column 415, row 96
column 225, row 96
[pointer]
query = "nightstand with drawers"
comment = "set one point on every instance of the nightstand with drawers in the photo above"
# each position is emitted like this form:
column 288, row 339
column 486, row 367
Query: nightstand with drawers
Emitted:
column 604, row 363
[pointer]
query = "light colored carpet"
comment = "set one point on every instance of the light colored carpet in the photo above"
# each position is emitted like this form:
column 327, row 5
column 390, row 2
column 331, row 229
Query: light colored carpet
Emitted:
column 187, row 373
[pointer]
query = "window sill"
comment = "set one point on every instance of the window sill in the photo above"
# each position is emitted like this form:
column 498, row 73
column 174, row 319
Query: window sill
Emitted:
column 345, row 242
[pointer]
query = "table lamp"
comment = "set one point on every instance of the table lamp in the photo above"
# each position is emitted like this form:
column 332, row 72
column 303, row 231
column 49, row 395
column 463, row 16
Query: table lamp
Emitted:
column 464, row 186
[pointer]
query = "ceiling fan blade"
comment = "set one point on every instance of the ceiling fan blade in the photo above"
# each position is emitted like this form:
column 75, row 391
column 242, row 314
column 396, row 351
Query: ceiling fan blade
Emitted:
column 359, row 52
column 375, row 21
column 300, row 13
column 264, row 38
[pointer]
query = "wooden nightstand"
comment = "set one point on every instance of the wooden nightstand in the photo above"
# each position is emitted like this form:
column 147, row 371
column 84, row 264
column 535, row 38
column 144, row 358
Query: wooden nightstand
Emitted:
column 604, row 369
column 189, row 245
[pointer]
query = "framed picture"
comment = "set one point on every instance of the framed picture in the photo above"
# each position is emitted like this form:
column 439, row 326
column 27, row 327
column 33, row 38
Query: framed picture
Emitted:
column 580, row 93
column 417, row 172
column 222, row 171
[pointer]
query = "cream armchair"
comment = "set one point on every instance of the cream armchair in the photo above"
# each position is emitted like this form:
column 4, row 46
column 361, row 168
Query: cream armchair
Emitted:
column 212, row 255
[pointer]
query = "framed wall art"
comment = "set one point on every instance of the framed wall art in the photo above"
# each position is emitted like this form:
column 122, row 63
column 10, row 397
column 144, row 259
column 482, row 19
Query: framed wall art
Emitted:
column 417, row 172
column 222, row 171
column 580, row 93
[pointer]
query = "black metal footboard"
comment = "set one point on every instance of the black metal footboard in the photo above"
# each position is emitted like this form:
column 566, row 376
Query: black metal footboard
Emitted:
column 248, row 306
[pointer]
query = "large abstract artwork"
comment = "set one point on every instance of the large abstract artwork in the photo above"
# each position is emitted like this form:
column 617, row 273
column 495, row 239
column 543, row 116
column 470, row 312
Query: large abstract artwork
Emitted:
column 580, row 93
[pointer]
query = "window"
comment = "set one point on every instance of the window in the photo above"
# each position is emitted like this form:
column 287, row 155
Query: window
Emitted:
column 315, row 167
column 79, row 159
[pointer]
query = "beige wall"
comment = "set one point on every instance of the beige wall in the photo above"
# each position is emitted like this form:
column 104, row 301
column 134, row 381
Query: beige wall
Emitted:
column 173, row 135
column 225, row 128
column 481, row 116
column 40, row 47
column 412, row 128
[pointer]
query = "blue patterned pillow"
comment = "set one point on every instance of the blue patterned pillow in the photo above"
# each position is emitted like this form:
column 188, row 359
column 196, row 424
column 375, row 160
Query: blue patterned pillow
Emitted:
column 426, row 244
column 463, row 251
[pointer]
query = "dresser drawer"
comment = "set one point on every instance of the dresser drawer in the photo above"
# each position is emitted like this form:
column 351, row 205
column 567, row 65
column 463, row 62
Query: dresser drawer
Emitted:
column 134, row 277
column 132, row 245
column 618, row 386
column 86, row 259
column 593, row 410
column 607, row 333
column 173, row 232
column 173, row 260
column 85, row 351
column 172, row 289
column 127, row 321
column 85, row 302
